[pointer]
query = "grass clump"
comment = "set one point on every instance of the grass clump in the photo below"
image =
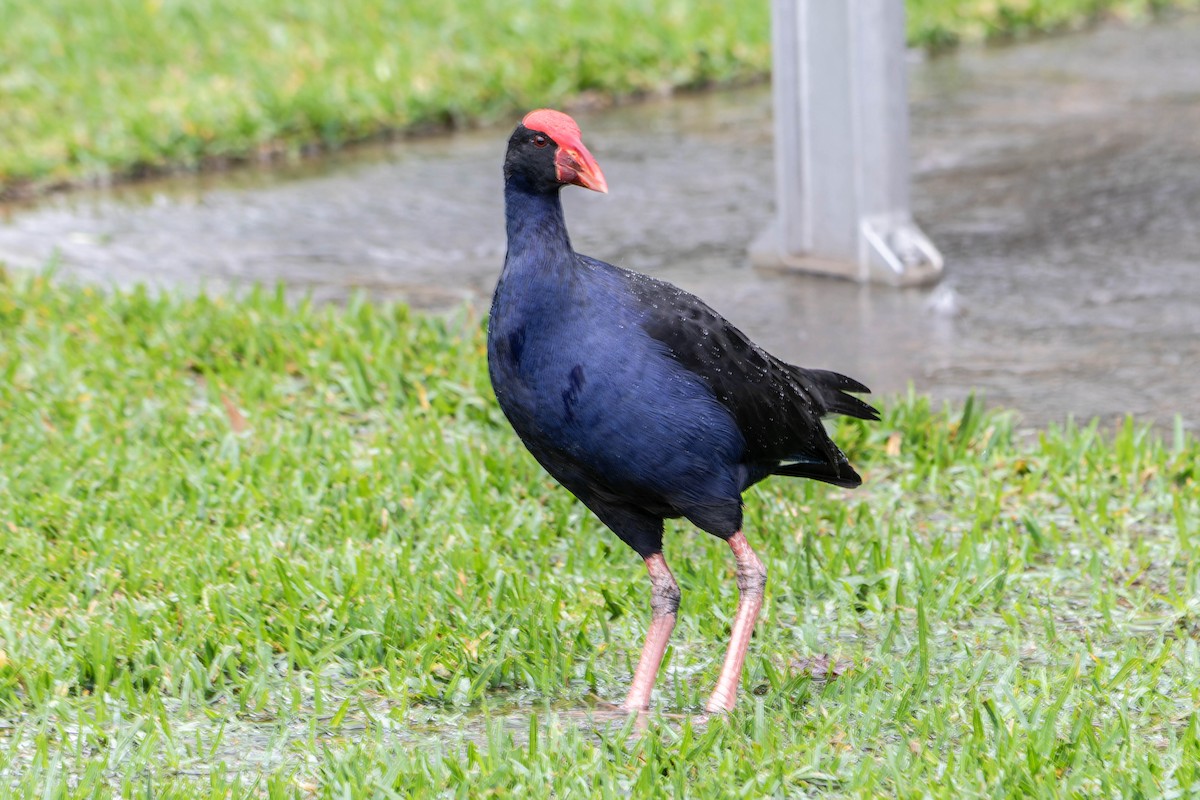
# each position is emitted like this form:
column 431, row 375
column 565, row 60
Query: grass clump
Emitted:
column 93, row 90
column 254, row 548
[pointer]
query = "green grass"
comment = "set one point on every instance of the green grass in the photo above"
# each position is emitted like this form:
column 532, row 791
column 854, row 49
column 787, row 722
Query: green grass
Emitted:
column 937, row 24
column 252, row 548
column 89, row 90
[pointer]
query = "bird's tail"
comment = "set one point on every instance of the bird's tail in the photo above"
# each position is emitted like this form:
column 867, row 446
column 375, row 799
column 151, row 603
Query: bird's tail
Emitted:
column 832, row 387
column 840, row 474
column 830, row 391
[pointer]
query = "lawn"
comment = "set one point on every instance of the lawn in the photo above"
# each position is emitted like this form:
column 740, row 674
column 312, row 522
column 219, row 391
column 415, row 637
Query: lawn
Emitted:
column 255, row 548
column 93, row 90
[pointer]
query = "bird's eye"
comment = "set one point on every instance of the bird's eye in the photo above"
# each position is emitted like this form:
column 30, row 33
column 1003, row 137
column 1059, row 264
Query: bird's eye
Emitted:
column 540, row 141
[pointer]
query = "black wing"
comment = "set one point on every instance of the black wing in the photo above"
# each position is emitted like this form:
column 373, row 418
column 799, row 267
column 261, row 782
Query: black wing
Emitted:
column 777, row 406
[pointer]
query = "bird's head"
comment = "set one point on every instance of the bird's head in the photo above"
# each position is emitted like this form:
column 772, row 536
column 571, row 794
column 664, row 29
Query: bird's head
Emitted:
column 547, row 152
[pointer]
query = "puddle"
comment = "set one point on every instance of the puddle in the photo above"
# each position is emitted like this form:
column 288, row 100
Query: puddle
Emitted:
column 1060, row 179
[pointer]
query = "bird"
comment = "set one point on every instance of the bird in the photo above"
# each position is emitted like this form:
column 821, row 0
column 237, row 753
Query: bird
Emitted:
column 640, row 399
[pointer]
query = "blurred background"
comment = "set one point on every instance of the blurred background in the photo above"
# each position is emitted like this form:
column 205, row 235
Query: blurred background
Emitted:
column 339, row 148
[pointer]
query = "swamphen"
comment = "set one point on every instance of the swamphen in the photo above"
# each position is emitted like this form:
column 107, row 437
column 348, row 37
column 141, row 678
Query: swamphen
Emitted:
column 640, row 399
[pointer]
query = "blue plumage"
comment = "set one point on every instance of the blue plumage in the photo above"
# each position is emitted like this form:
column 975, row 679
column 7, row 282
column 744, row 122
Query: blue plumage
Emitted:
column 634, row 394
column 642, row 400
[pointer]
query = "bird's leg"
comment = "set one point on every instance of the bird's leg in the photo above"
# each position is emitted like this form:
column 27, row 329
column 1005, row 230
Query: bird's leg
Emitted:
column 664, row 601
column 751, row 579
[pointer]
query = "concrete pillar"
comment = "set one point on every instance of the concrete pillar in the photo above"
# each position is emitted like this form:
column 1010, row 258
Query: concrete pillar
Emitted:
column 841, row 145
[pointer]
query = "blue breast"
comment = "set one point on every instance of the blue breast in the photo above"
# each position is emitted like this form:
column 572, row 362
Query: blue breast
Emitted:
column 585, row 387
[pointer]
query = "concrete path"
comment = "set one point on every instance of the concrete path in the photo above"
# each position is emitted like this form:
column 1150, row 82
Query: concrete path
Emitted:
column 1061, row 180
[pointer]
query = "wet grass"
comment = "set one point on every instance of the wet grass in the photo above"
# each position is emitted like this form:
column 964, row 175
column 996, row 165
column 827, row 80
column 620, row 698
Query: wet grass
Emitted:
column 115, row 88
column 252, row 548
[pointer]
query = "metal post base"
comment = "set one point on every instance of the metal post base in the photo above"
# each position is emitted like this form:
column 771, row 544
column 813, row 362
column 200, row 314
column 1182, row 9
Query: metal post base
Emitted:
column 892, row 251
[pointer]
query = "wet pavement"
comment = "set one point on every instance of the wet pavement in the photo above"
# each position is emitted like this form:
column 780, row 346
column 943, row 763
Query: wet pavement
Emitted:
column 1060, row 179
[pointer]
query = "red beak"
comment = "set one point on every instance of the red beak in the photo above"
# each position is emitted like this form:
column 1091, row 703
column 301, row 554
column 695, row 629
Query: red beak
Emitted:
column 574, row 164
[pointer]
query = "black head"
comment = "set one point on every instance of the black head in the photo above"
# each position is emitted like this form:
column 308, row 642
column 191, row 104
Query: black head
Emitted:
column 546, row 152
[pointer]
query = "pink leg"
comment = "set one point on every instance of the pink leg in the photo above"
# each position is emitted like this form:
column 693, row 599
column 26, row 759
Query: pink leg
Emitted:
column 751, row 578
column 664, row 601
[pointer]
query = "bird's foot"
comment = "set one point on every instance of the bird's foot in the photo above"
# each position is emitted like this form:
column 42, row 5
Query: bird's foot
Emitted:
column 719, row 703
